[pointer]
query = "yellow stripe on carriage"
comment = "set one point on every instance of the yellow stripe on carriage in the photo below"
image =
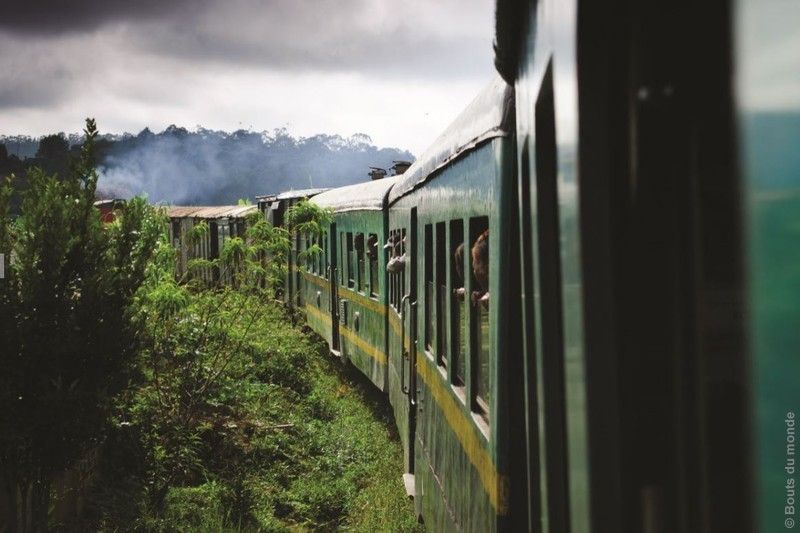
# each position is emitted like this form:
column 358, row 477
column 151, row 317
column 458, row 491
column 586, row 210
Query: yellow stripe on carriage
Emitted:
column 363, row 345
column 360, row 299
column 495, row 485
column 350, row 335
column 317, row 313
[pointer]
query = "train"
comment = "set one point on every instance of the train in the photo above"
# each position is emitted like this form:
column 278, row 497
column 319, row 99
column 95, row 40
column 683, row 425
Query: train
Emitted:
column 581, row 302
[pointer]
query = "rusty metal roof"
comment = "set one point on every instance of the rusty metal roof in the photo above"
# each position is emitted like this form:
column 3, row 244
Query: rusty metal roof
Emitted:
column 490, row 115
column 300, row 193
column 177, row 211
column 369, row 195
column 210, row 212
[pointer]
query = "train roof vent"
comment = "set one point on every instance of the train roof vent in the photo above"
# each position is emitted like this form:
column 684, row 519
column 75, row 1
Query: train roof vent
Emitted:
column 376, row 173
column 400, row 166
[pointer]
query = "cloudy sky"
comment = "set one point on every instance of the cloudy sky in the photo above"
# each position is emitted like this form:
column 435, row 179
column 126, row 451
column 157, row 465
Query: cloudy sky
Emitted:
column 396, row 70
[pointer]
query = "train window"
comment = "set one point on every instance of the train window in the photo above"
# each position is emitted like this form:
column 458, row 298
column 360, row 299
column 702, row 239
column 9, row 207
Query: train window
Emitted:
column 429, row 288
column 316, row 257
column 359, row 244
column 305, row 245
column 393, row 278
column 351, row 259
column 402, row 274
column 458, row 318
column 342, row 258
column 176, row 232
column 325, row 261
column 320, row 257
column 479, row 299
column 441, row 294
column 312, row 257
column 372, row 254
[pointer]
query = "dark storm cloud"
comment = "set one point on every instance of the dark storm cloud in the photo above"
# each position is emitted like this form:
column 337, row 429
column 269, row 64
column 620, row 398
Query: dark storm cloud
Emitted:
column 52, row 17
column 134, row 63
column 414, row 38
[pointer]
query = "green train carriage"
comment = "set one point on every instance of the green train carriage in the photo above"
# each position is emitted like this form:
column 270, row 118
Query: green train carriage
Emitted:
column 658, row 172
column 345, row 290
column 274, row 210
column 453, row 359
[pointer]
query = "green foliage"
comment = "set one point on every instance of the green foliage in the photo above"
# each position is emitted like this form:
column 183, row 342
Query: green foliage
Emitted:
column 205, row 409
column 308, row 218
column 68, row 343
column 242, row 422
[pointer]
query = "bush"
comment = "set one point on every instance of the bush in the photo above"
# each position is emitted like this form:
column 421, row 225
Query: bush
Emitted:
column 68, row 343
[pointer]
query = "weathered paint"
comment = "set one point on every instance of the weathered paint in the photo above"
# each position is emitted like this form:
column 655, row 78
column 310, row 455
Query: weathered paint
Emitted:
column 398, row 342
column 364, row 347
column 461, row 462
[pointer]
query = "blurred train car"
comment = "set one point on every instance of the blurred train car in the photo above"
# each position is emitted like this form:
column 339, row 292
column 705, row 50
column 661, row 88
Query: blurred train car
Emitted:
column 658, row 174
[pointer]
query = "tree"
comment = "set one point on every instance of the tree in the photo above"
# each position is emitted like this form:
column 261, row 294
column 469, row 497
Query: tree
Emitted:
column 53, row 146
column 53, row 154
column 68, row 342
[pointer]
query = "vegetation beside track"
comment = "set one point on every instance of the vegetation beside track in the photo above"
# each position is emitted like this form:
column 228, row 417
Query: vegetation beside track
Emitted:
column 286, row 438
column 135, row 400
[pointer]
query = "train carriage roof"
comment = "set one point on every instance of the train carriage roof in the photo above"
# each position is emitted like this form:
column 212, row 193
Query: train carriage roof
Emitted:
column 210, row 212
column 366, row 196
column 301, row 193
column 489, row 115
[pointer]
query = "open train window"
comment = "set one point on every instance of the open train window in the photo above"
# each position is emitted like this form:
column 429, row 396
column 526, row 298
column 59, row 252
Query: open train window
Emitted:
column 360, row 265
column 176, row 232
column 372, row 254
column 429, row 288
column 325, row 260
column 305, row 244
column 318, row 257
column 312, row 242
column 402, row 273
column 441, row 295
column 458, row 317
column 351, row 271
column 321, row 255
column 342, row 258
column 479, row 308
column 392, row 276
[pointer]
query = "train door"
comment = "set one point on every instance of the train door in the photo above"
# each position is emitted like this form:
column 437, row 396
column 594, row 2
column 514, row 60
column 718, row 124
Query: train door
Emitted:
column 410, row 332
column 401, row 267
column 333, row 269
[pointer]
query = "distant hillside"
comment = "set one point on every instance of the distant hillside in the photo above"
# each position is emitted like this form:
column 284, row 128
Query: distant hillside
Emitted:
column 212, row 167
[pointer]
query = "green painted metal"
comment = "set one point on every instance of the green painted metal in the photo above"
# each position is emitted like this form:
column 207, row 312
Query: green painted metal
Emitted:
column 552, row 46
column 399, row 343
column 769, row 122
column 461, row 459
column 362, row 326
